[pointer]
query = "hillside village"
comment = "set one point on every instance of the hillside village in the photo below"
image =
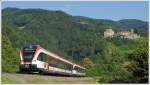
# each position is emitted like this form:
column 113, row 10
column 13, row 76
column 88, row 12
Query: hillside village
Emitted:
column 122, row 34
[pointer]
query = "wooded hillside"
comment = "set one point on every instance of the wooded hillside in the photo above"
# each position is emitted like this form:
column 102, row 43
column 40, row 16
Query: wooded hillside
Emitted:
column 78, row 39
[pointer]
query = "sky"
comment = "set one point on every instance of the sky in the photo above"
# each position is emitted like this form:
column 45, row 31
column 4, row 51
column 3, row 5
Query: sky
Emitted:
column 114, row 10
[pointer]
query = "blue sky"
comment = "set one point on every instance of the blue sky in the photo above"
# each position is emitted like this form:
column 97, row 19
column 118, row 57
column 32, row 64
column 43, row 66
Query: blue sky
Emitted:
column 100, row 10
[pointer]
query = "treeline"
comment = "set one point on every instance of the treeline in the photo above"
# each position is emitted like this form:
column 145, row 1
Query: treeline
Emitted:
column 117, row 65
column 78, row 39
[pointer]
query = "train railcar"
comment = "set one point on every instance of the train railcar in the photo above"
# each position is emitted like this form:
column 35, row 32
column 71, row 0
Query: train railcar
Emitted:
column 34, row 58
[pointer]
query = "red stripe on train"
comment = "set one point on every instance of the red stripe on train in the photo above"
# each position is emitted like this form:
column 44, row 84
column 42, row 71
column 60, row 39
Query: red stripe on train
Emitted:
column 35, row 53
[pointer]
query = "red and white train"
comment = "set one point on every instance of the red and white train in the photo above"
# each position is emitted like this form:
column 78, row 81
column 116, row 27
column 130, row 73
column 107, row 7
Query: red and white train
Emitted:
column 34, row 58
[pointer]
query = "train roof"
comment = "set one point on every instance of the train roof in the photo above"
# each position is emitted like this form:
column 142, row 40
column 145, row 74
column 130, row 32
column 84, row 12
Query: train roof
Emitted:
column 31, row 46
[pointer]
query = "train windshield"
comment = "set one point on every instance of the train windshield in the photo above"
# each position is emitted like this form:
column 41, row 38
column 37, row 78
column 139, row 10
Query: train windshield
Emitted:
column 28, row 54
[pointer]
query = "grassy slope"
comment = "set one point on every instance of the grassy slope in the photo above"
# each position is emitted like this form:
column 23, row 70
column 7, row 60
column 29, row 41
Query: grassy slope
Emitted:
column 13, row 78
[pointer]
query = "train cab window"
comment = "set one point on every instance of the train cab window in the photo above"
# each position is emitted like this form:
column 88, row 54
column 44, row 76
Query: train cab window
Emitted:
column 28, row 55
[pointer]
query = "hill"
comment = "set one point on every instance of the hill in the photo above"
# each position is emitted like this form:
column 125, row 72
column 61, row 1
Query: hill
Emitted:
column 77, row 38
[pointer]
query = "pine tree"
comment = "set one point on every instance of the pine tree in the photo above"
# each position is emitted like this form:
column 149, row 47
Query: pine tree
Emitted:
column 9, row 57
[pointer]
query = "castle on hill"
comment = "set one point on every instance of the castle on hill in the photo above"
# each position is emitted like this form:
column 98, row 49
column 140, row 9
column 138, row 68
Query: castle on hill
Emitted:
column 123, row 34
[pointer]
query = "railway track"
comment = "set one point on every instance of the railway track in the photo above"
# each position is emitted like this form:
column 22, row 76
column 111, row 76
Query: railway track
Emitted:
column 19, row 78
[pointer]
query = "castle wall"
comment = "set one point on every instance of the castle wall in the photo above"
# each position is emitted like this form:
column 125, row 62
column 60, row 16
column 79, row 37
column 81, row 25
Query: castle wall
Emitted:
column 129, row 35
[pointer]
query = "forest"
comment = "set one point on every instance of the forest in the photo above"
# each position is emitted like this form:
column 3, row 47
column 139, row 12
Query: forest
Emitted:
column 80, row 40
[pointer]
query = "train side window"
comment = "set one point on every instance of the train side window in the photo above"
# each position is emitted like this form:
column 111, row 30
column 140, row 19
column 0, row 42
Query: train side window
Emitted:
column 58, row 63
column 41, row 57
column 79, row 69
column 70, row 67
column 47, row 58
column 52, row 61
column 50, row 58
column 64, row 65
column 44, row 57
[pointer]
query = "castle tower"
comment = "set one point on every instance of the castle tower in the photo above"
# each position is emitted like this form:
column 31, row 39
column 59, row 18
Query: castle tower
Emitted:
column 109, row 33
column 132, row 30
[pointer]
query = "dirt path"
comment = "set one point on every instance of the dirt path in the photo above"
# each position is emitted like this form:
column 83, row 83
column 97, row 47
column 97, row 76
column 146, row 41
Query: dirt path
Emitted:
column 44, row 79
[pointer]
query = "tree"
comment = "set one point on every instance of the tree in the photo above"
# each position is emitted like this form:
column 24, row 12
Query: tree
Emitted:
column 87, row 63
column 138, row 64
column 9, row 57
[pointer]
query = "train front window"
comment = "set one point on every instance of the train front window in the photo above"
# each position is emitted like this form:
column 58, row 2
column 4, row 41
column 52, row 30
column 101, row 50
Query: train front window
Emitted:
column 28, row 55
column 28, row 52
